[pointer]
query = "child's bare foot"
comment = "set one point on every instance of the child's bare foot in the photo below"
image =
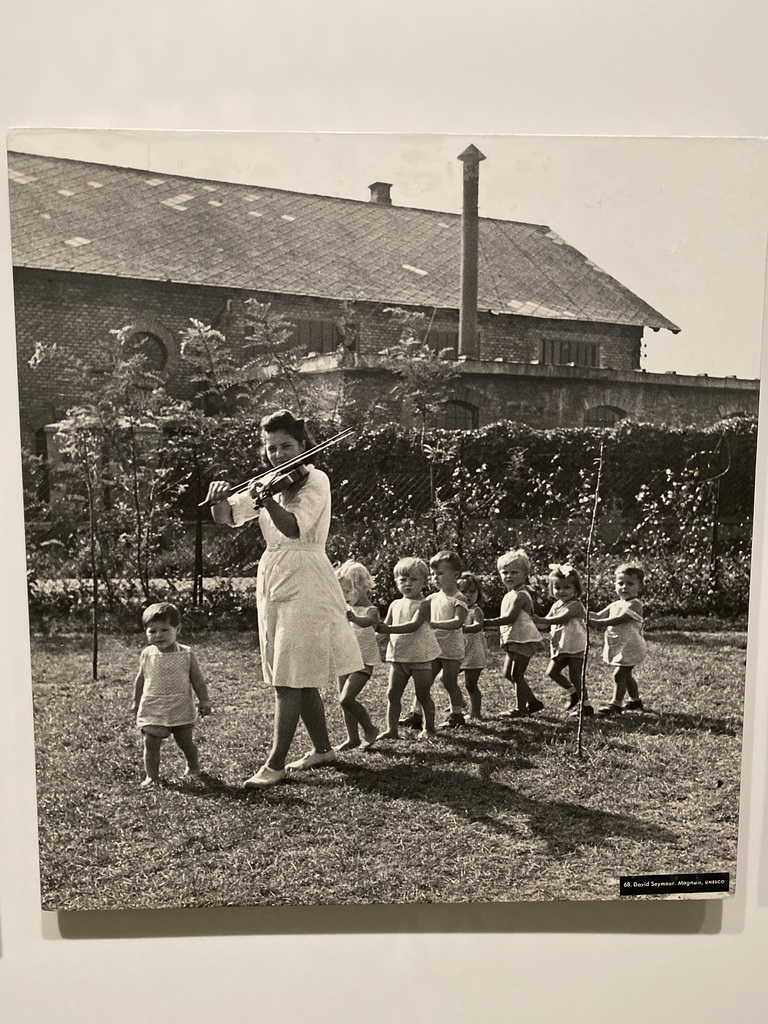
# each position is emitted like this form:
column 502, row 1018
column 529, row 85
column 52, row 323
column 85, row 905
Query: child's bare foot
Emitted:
column 389, row 734
column 370, row 737
column 191, row 773
column 347, row 745
column 148, row 783
column 426, row 734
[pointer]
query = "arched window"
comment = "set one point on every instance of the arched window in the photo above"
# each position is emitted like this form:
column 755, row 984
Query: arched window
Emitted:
column 149, row 346
column 456, row 415
column 603, row 416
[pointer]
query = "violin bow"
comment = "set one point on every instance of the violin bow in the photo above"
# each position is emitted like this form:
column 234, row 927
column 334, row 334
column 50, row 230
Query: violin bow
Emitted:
column 285, row 466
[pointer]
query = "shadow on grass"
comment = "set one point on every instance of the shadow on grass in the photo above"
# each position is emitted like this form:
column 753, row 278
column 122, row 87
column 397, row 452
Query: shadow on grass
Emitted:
column 563, row 826
column 212, row 787
column 436, row 752
column 648, row 722
column 662, row 723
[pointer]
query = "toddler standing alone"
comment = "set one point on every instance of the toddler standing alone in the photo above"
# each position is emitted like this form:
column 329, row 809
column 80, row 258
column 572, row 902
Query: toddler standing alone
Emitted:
column 168, row 680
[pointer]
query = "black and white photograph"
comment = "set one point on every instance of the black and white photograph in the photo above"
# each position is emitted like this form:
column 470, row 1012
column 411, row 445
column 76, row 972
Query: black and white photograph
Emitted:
column 389, row 506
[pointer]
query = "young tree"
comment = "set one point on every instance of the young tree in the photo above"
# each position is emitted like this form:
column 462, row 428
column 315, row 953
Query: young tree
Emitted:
column 111, row 444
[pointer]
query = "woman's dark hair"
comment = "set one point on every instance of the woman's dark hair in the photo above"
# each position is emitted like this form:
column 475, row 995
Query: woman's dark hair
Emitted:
column 284, row 420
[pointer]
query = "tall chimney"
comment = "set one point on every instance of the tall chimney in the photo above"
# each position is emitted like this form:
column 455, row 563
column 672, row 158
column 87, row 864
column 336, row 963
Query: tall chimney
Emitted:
column 380, row 193
column 468, row 346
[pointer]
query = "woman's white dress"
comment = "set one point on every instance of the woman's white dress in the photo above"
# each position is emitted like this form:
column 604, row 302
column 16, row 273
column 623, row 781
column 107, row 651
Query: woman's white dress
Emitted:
column 304, row 633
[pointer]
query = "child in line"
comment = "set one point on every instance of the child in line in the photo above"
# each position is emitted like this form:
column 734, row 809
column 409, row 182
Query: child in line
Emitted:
column 475, row 647
column 447, row 617
column 519, row 636
column 567, row 635
column 624, row 643
column 448, row 611
column 356, row 585
column 168, row 680
column 412, row 646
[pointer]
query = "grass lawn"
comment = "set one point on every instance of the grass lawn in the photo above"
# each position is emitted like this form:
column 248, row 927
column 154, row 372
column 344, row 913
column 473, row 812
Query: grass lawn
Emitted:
column 497, row 812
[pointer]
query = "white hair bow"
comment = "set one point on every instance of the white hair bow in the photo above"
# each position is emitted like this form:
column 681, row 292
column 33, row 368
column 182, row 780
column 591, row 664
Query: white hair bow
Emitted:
column 566, row 569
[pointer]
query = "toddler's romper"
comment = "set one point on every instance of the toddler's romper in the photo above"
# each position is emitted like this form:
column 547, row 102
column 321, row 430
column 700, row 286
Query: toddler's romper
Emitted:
column 567, row 638
column 625, row 644
column 366, row 637
column 167, row 698
column 451, row 641
column 475, row 646
column 521, row 636
column 412, row 648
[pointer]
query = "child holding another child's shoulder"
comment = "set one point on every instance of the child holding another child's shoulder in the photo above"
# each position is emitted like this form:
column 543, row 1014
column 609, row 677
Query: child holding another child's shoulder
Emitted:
column 567, row 635
column 448, row 612
column 519, row 636
column 167, row 683
column 412, row 646
column 356, row 585
column 624, row 646
column 475, row 646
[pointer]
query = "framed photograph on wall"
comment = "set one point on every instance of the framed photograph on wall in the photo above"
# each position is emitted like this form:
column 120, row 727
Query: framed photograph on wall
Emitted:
column 486, row 642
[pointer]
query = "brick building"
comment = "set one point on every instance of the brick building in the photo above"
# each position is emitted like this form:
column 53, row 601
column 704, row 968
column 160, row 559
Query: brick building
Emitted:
column 97, row 247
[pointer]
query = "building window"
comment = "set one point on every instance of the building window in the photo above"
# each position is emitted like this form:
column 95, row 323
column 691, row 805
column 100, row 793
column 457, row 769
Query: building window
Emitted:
column 317, row 335
column 458, row 416
column 567, row 351
column 440, row 340
column 603, row 416
column 149, row 346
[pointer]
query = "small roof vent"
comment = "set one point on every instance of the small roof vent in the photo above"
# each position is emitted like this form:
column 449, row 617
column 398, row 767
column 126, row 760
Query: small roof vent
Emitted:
column 380, row 193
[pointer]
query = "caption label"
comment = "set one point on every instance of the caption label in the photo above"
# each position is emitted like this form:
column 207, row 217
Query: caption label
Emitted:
column 667, row 885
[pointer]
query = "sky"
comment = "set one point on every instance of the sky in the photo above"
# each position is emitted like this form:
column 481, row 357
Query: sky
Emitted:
column 682, row 222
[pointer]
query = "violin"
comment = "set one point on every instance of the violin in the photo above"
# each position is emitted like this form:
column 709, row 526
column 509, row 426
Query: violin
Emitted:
column 284, row 475
column 279, row 480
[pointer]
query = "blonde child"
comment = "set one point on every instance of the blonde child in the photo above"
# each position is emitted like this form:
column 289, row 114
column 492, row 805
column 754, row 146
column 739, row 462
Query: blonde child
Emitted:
column 448, row 611
column 168, row 680
column 412, row 646
column 356, row 585
column 567, row 635
column 519, row 636
column 624, row 644
column 475, row 647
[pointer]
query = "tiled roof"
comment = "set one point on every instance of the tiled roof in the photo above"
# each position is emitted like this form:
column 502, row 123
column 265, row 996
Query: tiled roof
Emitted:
column 97, row 219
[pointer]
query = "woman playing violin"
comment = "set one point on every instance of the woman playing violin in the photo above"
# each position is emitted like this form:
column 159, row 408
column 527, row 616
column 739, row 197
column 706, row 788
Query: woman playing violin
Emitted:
column 304, row 635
